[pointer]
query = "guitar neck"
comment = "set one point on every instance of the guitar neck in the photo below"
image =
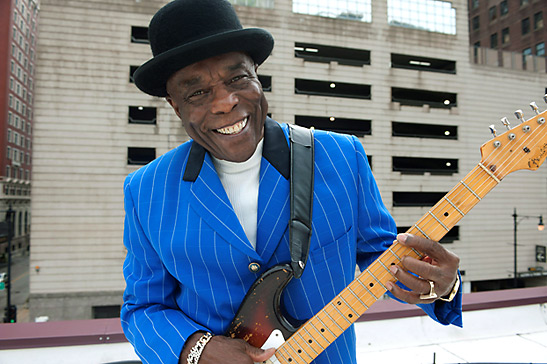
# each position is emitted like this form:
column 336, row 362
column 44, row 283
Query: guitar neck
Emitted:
column 329, row 323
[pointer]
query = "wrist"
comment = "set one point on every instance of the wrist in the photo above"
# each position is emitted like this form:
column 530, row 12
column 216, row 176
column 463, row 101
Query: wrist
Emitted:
column 450, row 296
column 196, row 350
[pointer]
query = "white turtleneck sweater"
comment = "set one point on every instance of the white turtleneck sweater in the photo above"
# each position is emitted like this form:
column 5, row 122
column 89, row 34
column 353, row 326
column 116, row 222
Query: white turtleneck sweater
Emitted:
column 240, row 180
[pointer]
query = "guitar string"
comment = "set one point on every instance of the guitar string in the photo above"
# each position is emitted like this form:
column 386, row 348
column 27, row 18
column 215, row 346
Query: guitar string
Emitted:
column 482, row 189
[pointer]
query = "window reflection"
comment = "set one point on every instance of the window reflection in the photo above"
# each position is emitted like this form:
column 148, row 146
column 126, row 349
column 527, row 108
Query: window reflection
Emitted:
column 431, row 15
column 343, row 9
column 254, row 3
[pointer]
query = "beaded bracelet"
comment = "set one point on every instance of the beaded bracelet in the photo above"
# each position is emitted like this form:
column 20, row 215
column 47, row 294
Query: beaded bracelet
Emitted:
column 197, row 349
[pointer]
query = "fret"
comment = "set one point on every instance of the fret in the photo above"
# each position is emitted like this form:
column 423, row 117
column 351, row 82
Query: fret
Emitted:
column 420, row 230
column 377, row 280
column 296, row 355
column 324, row 327
column 385, row 267
column 333, row 320
column 358, row 298
column 394, row 254
column 454, row 206
column 349, row 306
column 490, row 173
column 470, row 190
column 313, row 341
column 439, row 221
column 321, row 333
column 365, row 287
column 308, row 344
column 341, row 314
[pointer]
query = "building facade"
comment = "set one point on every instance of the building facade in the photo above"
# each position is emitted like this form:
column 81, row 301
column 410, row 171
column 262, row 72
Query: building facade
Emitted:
column 19, row 23
column 399, row 74
column 512, row 27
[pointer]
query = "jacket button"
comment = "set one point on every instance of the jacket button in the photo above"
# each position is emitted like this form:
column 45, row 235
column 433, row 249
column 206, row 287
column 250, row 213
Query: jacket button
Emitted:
column 254, row 267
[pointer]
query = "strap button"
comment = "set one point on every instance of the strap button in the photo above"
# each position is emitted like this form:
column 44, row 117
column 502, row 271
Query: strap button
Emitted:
column 254, row 267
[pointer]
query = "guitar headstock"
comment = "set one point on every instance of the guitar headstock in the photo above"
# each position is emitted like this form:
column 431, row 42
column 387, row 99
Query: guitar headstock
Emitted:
column 521, row 147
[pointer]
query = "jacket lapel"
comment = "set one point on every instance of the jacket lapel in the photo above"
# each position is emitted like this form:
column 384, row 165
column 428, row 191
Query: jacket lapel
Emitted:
column 210, row 201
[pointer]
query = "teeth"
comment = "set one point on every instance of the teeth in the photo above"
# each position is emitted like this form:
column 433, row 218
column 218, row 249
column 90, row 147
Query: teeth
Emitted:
column 234, row 129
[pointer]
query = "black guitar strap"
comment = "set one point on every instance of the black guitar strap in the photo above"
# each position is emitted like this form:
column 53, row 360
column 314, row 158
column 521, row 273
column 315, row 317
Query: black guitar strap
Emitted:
column 301, row 182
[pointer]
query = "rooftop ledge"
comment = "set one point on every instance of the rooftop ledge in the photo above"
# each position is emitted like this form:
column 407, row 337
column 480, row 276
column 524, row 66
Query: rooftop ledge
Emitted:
column 104, row 331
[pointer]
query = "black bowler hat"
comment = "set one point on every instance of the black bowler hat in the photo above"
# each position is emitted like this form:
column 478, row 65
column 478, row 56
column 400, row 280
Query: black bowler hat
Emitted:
column 188, row 31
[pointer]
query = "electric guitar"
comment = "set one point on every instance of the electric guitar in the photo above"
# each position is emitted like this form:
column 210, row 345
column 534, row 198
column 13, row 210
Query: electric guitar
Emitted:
column 259, row 320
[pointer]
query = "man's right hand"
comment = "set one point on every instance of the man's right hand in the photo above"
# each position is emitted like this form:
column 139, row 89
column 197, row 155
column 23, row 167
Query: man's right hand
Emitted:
column 222, row 349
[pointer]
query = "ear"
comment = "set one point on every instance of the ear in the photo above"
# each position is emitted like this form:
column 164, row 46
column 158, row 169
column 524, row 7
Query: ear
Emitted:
column 173, row 105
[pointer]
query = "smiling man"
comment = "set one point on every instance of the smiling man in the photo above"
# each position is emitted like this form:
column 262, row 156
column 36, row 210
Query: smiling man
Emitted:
column 204, row 220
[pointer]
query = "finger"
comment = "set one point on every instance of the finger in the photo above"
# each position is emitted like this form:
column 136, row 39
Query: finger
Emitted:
column 406, row 296
column 259, row 355
column 416, row 284
column 436, row 252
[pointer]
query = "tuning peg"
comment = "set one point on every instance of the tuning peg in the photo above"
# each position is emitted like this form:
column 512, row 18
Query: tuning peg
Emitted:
column 505, row 123
column 493, row 130
column 520, row 115
column 534, row 107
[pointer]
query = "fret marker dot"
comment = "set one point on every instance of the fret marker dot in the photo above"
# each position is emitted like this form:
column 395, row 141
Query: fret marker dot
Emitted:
column 446, row 214
column 371, row 284
column 322, row 330
column 310, row 341
column 299, row 351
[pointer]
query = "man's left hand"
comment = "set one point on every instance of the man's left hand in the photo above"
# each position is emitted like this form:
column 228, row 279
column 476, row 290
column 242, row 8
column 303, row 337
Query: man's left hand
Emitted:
column 440, row 266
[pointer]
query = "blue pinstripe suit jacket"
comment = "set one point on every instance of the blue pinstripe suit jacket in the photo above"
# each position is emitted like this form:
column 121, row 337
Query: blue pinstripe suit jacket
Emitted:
column 187, row 254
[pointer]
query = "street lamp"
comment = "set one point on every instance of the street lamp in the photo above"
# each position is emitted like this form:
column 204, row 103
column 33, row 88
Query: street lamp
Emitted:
column 541, row 226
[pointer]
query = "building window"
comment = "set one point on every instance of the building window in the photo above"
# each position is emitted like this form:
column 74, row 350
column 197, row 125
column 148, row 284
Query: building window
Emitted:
column 422, row 63
column 255, row 3
column 266, row 82
column 417, row 97
column 101, row 312
column 474, row 4
column 525, row 26
column 139, row 35
column 142, row 115
column 416, row 199
column 431, row 15
column 505, row 38
column 526, row 54
column 322, row 53
column 329, row 88
column 524, row 2
column 140, row 156
column 492, row 13
column 475, row 23
column 413, row 165
column 494, row 41
column 540, row 49
column 357, row 127
column 538, row 20
column 360, row 10
column 504, row 8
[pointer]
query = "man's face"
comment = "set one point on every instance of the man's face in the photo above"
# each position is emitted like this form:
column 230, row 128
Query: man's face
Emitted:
column 221, row 104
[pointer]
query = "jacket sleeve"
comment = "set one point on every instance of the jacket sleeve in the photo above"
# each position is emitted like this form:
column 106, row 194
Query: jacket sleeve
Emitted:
column 377, row 231
column 150, row 317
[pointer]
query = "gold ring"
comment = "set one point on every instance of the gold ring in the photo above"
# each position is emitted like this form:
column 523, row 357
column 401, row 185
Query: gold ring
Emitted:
column 431, row 293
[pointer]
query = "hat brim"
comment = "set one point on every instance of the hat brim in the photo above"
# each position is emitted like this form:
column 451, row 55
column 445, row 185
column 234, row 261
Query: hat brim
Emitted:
column 152, row 76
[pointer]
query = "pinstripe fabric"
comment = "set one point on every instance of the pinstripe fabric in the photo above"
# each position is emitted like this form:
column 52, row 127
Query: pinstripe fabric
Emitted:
column 187, row 262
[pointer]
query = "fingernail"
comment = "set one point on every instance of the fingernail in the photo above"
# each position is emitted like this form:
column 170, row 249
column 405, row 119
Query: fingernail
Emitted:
column 401, row 238
column 394, row 269
column 389, row 285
